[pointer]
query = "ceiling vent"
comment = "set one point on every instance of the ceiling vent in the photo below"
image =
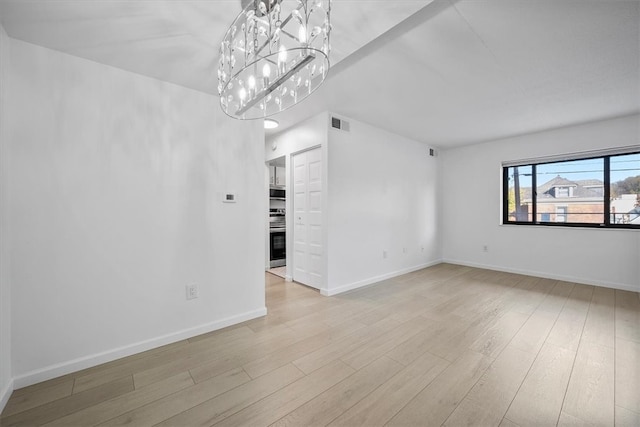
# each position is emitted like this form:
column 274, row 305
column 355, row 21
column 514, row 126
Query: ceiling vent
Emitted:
column 336, row 123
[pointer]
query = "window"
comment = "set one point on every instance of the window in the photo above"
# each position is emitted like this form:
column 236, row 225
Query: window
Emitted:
column 625, row 189
column 519, row 202
column 558, row 181
column 591, row 191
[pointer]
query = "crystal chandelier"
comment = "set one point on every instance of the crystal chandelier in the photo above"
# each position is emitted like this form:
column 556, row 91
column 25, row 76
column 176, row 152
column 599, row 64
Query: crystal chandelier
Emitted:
column 275, row 54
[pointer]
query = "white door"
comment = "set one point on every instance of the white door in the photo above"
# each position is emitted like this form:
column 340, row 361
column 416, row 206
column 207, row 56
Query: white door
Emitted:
column 307, row 218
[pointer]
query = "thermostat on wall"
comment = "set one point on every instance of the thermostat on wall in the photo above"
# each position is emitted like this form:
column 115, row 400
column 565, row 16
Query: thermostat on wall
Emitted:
column 229, row 198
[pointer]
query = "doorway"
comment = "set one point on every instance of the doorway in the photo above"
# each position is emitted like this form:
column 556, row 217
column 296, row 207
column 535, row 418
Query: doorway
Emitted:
column 277, row 236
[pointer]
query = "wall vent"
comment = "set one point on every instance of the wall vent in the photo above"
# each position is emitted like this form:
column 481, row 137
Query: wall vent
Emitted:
column 336, row 123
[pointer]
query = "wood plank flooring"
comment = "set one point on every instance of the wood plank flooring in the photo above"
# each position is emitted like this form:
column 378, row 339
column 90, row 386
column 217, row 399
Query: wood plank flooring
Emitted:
column 447, row 345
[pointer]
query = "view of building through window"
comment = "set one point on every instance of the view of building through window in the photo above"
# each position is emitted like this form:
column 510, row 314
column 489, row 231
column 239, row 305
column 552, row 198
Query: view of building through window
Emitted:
column 573, row 192
column 625, row 189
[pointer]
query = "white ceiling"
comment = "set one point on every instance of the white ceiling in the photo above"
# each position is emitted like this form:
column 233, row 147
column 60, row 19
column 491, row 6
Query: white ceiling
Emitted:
column 174, row 40
column 447, row 73
column 469, row 71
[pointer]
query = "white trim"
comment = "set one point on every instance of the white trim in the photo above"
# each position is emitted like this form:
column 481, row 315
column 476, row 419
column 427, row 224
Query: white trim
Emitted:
column 582, row 280
column 615, row 151
column 573, row 227
column 64, row 368
column 6, row 394
column 371, row 280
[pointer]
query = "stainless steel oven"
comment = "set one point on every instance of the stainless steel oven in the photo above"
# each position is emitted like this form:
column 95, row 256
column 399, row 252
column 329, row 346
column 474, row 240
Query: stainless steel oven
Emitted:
column 277, row 247
column 277, row 238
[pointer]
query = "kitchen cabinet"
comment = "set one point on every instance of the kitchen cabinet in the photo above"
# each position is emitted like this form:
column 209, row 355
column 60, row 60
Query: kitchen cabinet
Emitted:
column 277, row 176
column 280, row 177
column 272, row 175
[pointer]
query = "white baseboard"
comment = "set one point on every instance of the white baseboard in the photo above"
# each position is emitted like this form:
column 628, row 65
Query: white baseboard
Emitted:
column 5, row 394
column 546, row 275
column 376, row 279
column 64, row 368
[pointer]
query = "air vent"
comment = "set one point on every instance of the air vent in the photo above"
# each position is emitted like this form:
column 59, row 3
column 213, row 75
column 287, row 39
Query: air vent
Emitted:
column 339, row 124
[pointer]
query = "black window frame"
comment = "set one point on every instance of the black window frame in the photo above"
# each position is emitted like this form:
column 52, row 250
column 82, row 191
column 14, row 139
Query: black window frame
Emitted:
column 534, row 193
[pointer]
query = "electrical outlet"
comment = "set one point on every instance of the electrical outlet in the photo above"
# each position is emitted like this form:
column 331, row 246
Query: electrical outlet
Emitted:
column 384, row 254
column 485, row 248
column 404, row 250
column 192, row 291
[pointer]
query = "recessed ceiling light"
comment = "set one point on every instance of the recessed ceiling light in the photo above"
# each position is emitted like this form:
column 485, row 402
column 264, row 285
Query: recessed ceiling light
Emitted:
column 270, row 124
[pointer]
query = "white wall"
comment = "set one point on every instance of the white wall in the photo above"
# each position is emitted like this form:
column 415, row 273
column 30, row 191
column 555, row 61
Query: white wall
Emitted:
column 471, row 188
column 306, row 134
column 380, row 194
column 116, row 205
column 382, row 197
column 6, row 382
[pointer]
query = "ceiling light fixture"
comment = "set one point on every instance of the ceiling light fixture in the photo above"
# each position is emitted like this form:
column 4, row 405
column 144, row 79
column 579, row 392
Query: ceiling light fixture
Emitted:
column 275, row 54
column 270, row 124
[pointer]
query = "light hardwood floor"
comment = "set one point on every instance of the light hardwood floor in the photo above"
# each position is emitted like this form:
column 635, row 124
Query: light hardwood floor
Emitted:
column 447, row 345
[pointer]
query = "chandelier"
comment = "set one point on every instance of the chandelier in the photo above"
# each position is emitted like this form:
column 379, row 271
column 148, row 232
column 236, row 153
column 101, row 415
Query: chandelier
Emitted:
column 275, row 54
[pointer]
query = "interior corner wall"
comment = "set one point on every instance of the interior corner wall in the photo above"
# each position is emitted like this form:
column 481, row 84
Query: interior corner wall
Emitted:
column 6, row 381
column 382, row 206
column 471, row 212
column 117, row 182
